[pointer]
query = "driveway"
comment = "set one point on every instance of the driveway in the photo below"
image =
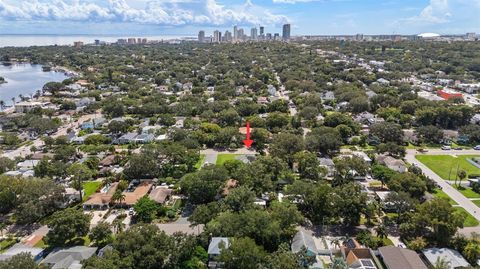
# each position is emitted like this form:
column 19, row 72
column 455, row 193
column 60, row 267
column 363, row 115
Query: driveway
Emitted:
column 461, row 200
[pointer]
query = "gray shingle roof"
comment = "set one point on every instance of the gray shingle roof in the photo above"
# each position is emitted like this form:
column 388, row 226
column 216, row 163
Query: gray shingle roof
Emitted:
column 68, row 258
column 401, row 258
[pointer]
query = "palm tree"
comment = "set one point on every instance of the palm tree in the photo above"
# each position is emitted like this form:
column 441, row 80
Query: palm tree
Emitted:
column 441, row 263
column 118, row 196
column 381, row 231
column 336, row 243
column 462, row 174
column 118, row 225
column 2, row 104
column 13, row 100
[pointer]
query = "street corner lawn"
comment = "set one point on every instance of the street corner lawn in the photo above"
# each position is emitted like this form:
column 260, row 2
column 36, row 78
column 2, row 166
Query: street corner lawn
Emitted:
column 446, row 166
column 441, row 194
column 222, row 158
column 470, row 221
column 89, row 188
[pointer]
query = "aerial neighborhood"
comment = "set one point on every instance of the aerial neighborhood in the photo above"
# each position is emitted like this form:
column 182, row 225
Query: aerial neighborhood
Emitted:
column 321, row 154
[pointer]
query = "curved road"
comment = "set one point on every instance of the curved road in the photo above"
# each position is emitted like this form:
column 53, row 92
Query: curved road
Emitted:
column 461, row 200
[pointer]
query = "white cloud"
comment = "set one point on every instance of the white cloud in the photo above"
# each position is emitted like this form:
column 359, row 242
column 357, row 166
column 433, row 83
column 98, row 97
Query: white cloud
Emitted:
column 444, row 11
column 158, row 12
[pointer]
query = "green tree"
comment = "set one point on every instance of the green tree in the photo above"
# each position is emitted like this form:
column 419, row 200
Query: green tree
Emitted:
column 309, row 166
column 101, row 234
column 80, row 173
column 66, row 225
column 146, row 209
column 285, row 145
column 242, row 253
column 23, row 260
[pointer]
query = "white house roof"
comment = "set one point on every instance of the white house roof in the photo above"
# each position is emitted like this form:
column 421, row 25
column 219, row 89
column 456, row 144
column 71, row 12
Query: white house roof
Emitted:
column 456, row 260
column 215, row 246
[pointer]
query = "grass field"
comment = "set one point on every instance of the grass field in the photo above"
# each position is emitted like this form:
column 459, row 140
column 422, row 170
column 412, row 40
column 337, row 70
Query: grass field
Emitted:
column 198, row 165
column 446, row 165
column 467, row 192
column 441, row 194
column 89, row 188
column 222, row 158
column 470, row 221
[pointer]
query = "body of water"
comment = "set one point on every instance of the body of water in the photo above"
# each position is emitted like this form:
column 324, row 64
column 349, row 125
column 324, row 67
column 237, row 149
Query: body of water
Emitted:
column 50, row 40
column 25, row 79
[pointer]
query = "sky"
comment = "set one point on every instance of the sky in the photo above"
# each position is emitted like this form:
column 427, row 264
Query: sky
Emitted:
column 187, row 17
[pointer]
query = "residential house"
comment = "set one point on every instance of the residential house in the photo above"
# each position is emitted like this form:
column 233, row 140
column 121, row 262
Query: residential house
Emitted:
column 24, row 107
column 272, row 91
column 453, row 257
column 102, row 199
column 383, row 81
column 392, row 163
column 126, row 139
column 19, row 248
column 143, row 138
column 362, row 155
column 160, row 194
column 262, row 100
column 132, row 197
column 328, row 96
column 400, row 258
column 68, row 258
column 85, row 101
column 301, row 241
column 329, row 165
column 27, row 165
column 475, row 119
column 217, row 244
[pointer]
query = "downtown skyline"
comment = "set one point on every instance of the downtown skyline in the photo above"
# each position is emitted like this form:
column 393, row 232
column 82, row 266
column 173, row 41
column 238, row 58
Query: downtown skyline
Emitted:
column 187, row 17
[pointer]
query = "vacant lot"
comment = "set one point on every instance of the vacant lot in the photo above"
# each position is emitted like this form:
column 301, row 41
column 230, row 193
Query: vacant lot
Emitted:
column 222, row 158
column 446, row 166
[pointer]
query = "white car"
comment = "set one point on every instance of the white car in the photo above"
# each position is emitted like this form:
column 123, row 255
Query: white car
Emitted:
column 131, row 211
column 477, row 147
column 446, row 148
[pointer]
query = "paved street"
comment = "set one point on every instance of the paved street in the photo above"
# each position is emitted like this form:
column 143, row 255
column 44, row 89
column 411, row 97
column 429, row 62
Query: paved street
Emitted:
column 447, row 188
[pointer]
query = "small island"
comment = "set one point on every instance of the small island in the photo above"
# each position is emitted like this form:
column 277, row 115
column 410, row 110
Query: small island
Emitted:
column 2, row 80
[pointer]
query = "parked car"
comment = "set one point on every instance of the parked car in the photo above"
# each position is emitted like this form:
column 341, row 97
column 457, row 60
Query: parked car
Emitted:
column 458, row 148
column 422, row 150
column 446, row 148
column 131, row 211
column 477, row 147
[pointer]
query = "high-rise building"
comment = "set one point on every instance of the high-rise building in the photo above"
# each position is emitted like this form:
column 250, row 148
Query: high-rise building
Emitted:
column 286, row 32
column 201, row 36
column 262, row 30
column 359, row 37
column 268, row 36
column 78, row 44
column 227, row 37
column 217, row 36
column 235, row 33
column 276, row 36
column 240, row 34
column 132, row 41
column 253, row 34
column 471, row 35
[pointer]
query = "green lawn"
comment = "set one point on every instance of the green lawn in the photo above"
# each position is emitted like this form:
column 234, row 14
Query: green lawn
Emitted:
column 222, row 158
column 467, row 192
column 476, row 202
column 441, row 194
column 198, row 165
column 89, row 188
column 7, row 243
column 470, row 221
column 446, row 165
